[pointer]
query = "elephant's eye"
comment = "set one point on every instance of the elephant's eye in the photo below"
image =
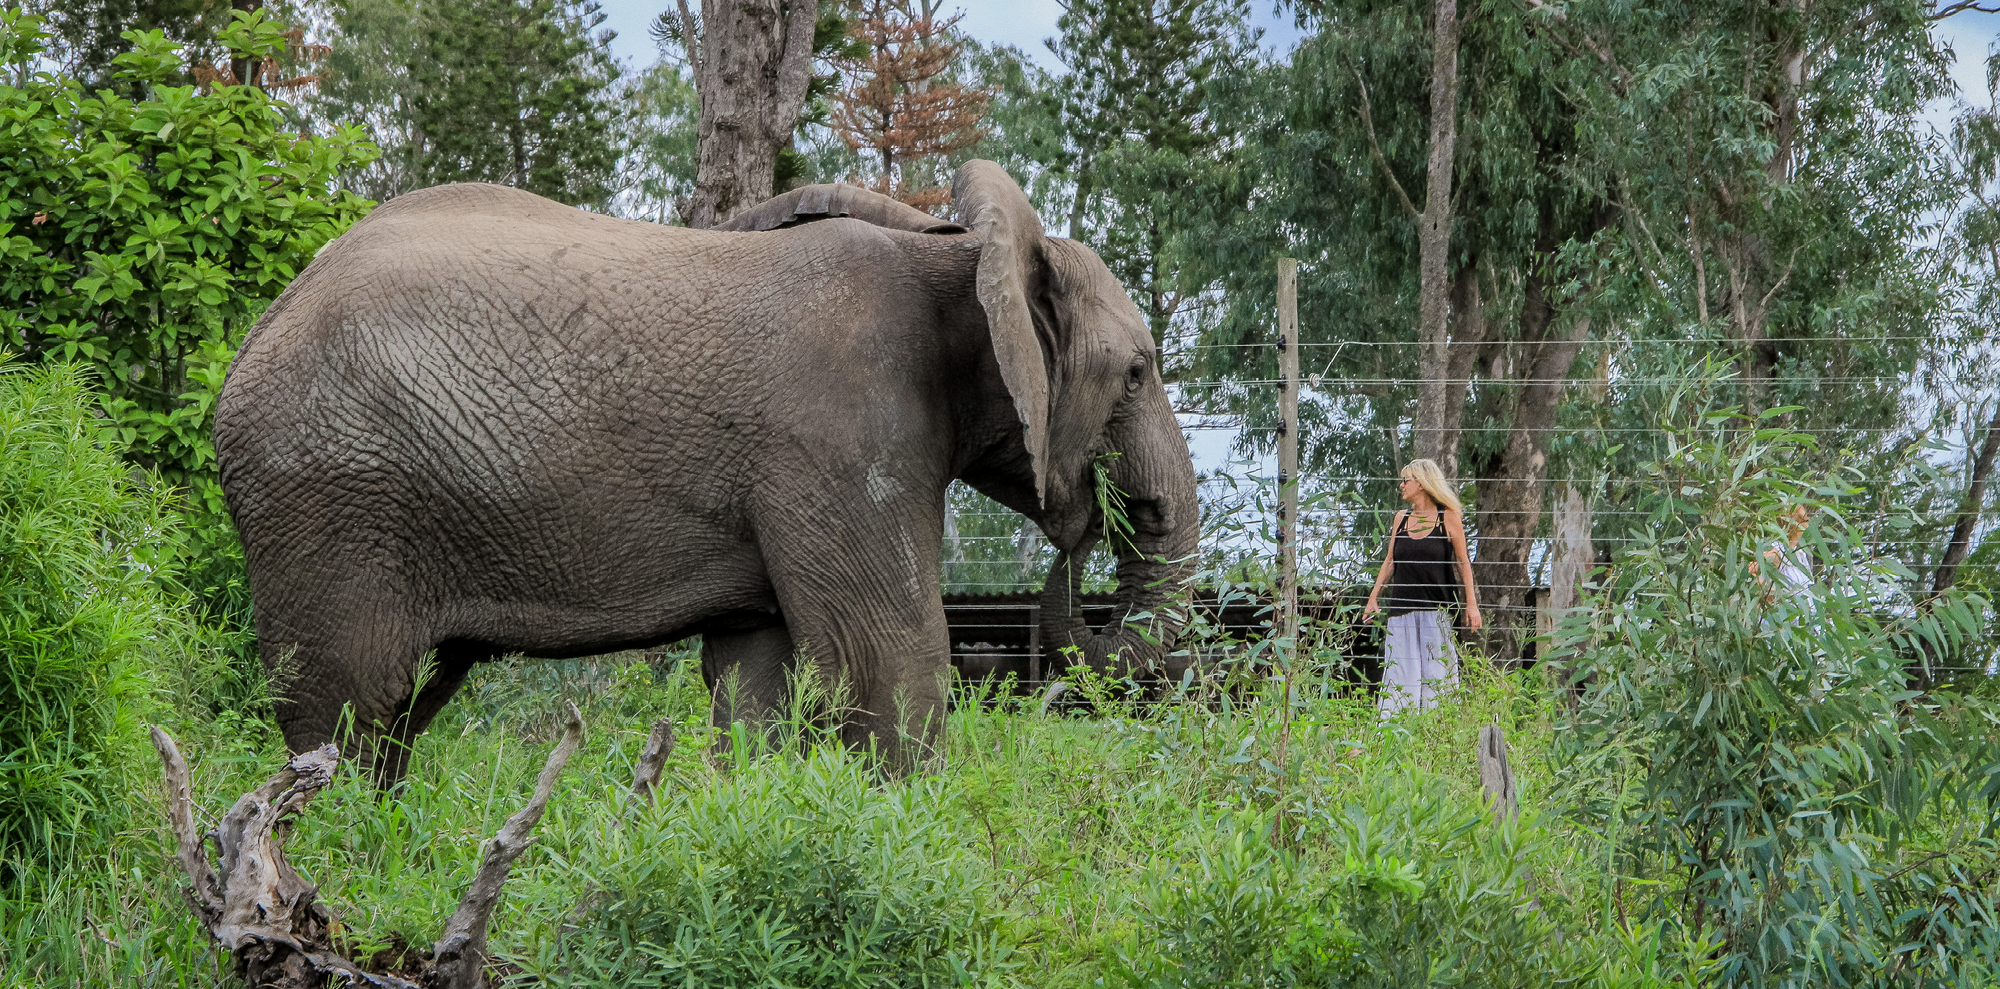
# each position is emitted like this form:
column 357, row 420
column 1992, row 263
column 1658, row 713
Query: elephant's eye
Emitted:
column 1135, row 375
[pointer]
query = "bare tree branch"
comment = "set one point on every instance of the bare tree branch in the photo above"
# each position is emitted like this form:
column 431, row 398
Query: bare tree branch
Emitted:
column 1375, row 150
column 1969, row 510
column 653, row 759
column 460, row 955
column 1962, row 6
column 688, row 42
column 269, row 917
column 206, row 893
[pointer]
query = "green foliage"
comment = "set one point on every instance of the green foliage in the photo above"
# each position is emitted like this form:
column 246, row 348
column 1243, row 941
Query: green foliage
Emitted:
column 1144, row 156
column 989, row 548
column 1239, row 913
column 1770, row 773
column 659, row 165
column 80, row 537
column 89, row 34
column 787, row 873
column 146, row 236
column 518, row 92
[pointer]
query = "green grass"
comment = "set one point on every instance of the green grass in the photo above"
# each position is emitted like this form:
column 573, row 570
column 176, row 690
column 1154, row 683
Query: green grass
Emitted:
column 1075, row 851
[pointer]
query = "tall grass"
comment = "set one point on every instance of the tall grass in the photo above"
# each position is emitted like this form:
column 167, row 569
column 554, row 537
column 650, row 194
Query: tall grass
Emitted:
column 80, row 538
column 1135, row 848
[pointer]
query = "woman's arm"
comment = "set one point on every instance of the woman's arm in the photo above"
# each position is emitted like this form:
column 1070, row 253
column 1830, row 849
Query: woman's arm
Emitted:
column 1454, row 524
column 1388, row 562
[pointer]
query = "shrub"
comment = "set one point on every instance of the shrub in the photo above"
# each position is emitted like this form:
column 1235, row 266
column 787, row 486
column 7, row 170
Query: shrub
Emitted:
column 1237, row 912
column 787, row 872
column 1786, row 786
column 78, row 609
column 144, row 237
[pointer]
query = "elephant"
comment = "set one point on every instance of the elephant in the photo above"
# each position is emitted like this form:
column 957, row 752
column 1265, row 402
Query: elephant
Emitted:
column 482, row 423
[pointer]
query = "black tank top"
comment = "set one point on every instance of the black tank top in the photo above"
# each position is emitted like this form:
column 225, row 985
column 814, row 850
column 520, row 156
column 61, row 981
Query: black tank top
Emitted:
column 1425, row 576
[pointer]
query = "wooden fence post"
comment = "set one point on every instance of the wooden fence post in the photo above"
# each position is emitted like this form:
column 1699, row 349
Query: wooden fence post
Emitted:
column 1288, row 453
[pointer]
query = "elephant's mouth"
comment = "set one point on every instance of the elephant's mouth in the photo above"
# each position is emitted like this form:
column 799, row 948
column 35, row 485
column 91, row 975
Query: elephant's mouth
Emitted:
column 1155, row 561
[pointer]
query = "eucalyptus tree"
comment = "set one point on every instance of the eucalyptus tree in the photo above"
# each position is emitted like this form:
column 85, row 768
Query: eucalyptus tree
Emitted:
column 1334, row 141
column 1582, row 134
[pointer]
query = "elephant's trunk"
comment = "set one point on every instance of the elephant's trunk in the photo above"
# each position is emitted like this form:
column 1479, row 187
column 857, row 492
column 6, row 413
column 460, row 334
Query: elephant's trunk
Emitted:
column 1154, row 563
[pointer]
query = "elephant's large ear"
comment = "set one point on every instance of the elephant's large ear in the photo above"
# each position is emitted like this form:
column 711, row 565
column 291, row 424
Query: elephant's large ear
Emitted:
column 993, row 207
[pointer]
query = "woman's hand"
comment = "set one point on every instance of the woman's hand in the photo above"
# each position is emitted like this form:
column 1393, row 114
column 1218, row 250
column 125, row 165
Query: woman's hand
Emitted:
column 1369, row 610
column 1473, row 619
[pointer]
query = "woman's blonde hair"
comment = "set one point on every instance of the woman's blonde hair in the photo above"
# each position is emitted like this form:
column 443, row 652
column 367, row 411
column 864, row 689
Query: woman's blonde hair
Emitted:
column 1426, row 473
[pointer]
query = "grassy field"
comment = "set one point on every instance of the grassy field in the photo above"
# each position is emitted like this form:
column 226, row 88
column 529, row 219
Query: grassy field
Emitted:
column 1161, row 846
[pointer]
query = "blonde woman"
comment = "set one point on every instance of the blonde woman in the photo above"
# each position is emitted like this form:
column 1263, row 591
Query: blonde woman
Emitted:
column 1424, row 571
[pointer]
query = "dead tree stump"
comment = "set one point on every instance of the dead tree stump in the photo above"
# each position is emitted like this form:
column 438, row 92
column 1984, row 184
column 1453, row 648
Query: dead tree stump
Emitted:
column 1495, row 775
column 268, row 917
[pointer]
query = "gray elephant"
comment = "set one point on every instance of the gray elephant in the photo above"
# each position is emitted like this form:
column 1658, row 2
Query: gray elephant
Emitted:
column 481, row 423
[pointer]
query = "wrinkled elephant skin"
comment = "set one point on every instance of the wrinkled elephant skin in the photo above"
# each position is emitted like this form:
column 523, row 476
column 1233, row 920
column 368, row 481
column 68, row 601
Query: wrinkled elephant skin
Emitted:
column 482, row 423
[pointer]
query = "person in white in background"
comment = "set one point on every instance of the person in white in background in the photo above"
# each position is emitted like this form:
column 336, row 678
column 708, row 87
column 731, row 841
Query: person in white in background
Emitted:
column 1791, row 564
column 1424, row 571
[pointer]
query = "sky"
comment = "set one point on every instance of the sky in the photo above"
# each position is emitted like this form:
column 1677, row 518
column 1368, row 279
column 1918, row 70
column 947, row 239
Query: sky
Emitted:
column 1021, row 23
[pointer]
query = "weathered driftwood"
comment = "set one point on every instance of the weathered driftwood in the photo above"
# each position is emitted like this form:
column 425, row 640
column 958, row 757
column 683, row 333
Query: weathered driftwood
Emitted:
column 653, row 759
column 267, row 916
column 1496, row 775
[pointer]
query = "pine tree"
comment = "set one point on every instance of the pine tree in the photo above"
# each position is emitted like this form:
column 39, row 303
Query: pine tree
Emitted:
column 900, row 105
column 1142, row 140
column 517, row 92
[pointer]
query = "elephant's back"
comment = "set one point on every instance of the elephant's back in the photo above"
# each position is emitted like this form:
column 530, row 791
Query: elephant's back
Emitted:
column 478, row 350
column 470, row 292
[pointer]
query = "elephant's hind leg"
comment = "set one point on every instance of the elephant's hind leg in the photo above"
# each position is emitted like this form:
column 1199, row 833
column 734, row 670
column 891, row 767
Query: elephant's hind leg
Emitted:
column 440, row 677
column 749, row 676
column 346, row 671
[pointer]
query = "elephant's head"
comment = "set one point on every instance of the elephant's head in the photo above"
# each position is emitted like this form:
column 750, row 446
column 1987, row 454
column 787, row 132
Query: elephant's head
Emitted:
column 1084, row 376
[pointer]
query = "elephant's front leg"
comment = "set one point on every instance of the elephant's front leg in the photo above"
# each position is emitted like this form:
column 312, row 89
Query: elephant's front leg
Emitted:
column 866, row 614
column 749, row 677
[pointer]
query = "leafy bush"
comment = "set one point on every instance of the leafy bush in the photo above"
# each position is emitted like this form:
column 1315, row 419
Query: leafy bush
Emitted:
column 1774, row 776
column 78, row 610
column 1237, row 912
column 144, row 237
column 788, row 872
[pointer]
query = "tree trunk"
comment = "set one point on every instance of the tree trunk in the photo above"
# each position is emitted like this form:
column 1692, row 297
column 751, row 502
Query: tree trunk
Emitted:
column 1465, row 352
column 1755, row 272
column 1510, row 493
column 751, row 65
column 1969, row 510
column 1434, row 237
column 1570, row 558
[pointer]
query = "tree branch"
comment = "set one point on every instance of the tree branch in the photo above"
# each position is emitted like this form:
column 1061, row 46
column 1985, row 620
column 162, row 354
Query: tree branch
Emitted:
column 1968, row 513
column 1620, row 76
column 688, row 42
column 269, row 917
column 653, row 759
column 1375, row 150
column 795, row 69
column 1962, row 6
column 206, row 893
column 460, row 955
